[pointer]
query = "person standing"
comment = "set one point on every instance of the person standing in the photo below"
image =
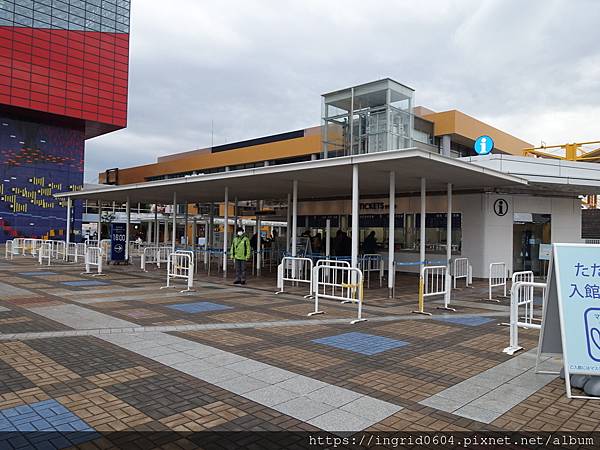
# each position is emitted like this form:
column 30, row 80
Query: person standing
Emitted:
column 240, row 253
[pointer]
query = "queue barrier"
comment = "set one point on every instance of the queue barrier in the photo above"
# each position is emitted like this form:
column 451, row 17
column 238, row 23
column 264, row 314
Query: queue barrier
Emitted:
column 154, row 255
column 497, row 278
column 462, row 269
column 32, row 246
column 17, row 246
column 294, row 270
column 105, row 245
column 180, row 266
column 341, row 283
column 58, row 249
column 10, row 249
column 433, row 282
column 75, row 250
column 45, row 252
column 372, row 262
column 93, row 258
column 521, row 294
column 327, row 275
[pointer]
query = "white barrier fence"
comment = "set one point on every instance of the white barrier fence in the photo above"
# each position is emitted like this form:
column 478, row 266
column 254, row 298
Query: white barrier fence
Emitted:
column 10, row 249
column 521, row 294
column 294, row 270
column 93, row 258
column 338, row 283
column 327, row 275
column 155, row 255
column 32, row 246
column 368, row 263
column 17, row 245
column 105, row 245
column 59, row 249
column 435, row 281
column 462, row 269
column 180, row 266
column 75, row 251
column 497, row 278
column 45, row 252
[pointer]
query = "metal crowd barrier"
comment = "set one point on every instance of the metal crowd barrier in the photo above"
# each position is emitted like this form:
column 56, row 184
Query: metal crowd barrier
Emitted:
column 294, row 270
column 521, row 294
column 32, row 245
column 462, row 269
column 341, row 283
column 75, row 250
column 154, row 255
column 105, row 245
column 93, row 258
column 497, row 278
column 45, row 252
column 10, row 249
column 372, row 263
column 58, row 249
column 180, row 266
column 434, row 282
column 18, row 244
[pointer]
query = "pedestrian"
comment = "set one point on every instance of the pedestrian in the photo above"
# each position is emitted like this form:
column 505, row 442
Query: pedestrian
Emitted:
column 240, row 253
column 370, row 244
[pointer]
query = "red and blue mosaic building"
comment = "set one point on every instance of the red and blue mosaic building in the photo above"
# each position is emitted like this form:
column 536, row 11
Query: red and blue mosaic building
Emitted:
column 64, row 67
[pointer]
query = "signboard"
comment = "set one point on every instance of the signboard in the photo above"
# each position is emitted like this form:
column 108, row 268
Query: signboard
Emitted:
column 545, row 251
column 117, row 241
column 500, row 207
column 483, row 145
column 572, row 310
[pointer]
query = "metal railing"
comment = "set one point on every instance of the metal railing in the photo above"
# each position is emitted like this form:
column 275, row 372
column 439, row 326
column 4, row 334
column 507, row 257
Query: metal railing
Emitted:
column 45, row 252
column 521, row 294
column 497, row 278
column 154, row 255
column 180, row 266
column 93, row 258
column 294, row 270
column 461, row 269
column 372, row 262
column 341, row 283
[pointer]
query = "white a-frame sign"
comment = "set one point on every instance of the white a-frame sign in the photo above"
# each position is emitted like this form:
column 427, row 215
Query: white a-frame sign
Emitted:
column 571, row 313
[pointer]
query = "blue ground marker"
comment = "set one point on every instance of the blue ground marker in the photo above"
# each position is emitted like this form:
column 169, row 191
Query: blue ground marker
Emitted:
column 199, row 307
column 37, row 274
column 471, row 321
column 363, row 343
column 84, row 283
column 46, row 424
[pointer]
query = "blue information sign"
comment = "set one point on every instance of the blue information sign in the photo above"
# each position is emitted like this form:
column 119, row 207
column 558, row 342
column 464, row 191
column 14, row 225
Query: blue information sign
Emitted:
column 483, row 145
column 118, row 241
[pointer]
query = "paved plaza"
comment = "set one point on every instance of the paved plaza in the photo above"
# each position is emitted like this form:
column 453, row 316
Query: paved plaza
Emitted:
column 93, row 355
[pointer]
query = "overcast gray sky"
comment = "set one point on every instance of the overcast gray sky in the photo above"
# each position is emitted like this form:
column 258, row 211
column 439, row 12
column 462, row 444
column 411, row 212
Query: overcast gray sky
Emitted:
column 529, row 67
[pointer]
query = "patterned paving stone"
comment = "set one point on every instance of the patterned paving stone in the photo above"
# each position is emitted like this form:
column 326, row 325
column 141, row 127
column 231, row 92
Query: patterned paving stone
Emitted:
column 84, row 283
column 37, row 274
column 198, row 307
column 474, row 321
column 363, row 343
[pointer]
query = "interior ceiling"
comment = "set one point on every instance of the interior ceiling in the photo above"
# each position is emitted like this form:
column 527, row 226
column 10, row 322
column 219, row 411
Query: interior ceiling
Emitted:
column 317, row 179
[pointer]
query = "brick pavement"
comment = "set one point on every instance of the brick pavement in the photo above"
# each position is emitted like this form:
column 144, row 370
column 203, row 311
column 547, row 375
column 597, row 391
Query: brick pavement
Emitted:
column 112, row 388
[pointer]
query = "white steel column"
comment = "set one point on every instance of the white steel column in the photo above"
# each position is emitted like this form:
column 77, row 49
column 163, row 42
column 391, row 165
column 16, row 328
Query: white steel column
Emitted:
column 258, row 239
column 422, row 229
column 288, row 227
column 194, row 232
column 186, row 219
column 448, row 280
column 174, row 237
column 328, row 238
column 355, row 212
column 99, row 222
column 226, row 232
column 156, row 225
column 127, row 228
column 211, row 226
column 68, row 237
column 391, row 232
column 294, row 216
column 235, row 213
column 149, row 232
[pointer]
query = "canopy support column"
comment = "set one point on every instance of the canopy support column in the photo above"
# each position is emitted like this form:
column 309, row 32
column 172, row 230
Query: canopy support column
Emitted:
column 391, row 237
column 294, row 216
column 174, row 237
column 69, row 205
column 448, row 280
column 355, row 212
column 225, row 231
column 421, row 309
column 127, row 228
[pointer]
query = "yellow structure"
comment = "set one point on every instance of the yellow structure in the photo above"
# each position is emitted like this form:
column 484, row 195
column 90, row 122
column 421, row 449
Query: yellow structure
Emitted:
column 568, row 152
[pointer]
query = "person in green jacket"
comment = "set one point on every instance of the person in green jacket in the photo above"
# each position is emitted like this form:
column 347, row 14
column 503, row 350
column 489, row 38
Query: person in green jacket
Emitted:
column 240, row 253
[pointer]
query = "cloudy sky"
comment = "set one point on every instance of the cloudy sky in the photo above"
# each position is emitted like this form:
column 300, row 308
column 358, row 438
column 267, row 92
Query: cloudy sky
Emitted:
column 252, row 68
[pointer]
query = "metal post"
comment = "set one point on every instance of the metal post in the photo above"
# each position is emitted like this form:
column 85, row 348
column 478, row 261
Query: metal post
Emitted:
column 68, row 237
column 235, row 213
column 258, row 240
column 328, row 238
column 174, row 237
column 156, row 225
column 127, row 228
column 211, row 226
column 294, row 216
column 448, row 280
column 149, row 232
column 99, row 222
column 186, row 219
column 225, row 232
column 391, row 237
column 289, row 223
column 421, row 309
column 194, row 232
column 355, row 212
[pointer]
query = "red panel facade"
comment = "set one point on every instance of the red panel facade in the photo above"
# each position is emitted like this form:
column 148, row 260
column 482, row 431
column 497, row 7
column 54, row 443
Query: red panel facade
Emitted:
column 78, row 74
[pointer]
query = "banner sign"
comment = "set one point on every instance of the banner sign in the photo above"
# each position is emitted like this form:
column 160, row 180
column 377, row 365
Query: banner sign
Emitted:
column 117, row 241
column 573, row 296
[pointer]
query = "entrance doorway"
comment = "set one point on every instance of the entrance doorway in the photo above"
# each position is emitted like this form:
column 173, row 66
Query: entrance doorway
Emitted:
column 529, row 231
